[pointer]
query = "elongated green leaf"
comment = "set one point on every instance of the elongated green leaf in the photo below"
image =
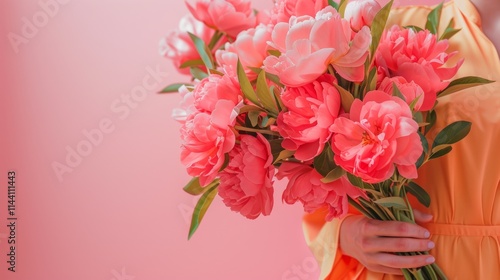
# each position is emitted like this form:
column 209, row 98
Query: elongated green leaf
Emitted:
column 194, row 187
column 274, row 78
column 441, row 153
column 333, row 175
column 264, row 94
column 449, row 31
column 346, row 97
column 425, row 145
column 191, row 63
column 283, row 155
column 253, row 116
column 333, row 4
column 439, row 148
column 431, row 119
column 342, row 6
column 414, row 27
column 378, row 26
column 249, row 108
column 203, row 51
column 355, row 181
column 452, row 133
column 171, row 88
column 417, row 191
column 463, row 83
column 433, row 19
column 277, row 98
column 201, row 208
column 394, row 201
column 397, row 92
column 246, row 86
column 324, row 162
column 197, row 73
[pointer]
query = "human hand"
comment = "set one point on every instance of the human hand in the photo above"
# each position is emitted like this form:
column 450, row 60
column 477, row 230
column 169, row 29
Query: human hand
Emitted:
column 374, row 242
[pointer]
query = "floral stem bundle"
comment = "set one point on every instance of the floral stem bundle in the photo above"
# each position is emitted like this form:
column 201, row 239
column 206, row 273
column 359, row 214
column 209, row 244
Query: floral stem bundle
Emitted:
column 323, row 92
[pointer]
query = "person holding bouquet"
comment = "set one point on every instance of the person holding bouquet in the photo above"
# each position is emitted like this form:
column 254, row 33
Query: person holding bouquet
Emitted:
column 461, row 228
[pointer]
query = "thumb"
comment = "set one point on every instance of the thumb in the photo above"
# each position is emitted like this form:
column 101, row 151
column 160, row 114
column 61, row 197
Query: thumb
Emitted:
column 421, row 217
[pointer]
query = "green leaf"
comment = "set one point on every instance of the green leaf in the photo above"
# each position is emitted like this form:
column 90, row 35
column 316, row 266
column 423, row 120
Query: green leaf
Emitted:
column 277, row 98
column 452, row 133
column 425, row 146
column 438, row 148
column 396, row 92
column 253, row 116
column 215, row 39
column 246, row 86
column 249, row 108
column 283, row 155
column 346, row 97
column 431, row 119
column 378, row 26
column 393, row 201
column 433, row 19
column 418, row 192
column 441, row 153
column 342, row 6
column 274, row 78
column 203, row 51
column 449, row 31
column 172, row 88
column 226, row 162
column 191, row 63
column 463, row 83
column 333, row 4
column 274, row 53
column 201, row 208
column 333, row 175
column 372, row 80
column 324, row 163
column 194, row 187
column 355, row 181
column 264, row 94
column 414, row 27
column 197, row 73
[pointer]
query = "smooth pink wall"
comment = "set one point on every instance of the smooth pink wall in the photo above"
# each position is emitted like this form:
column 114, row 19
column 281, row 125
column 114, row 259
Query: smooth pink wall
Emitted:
column 84, row 79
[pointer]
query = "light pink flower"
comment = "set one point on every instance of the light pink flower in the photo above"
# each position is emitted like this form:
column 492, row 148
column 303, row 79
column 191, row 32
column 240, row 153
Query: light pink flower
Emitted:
column 250, row 47
column 178, row 46
column 308, row 45
column 361, row 13
column 312, row 109
column 186, row 106
column 207, row 137
column 229, row 16
column 379, row 136
column 305, row 186
column 409, row 90
column 418, row 57
column 283, row 10
column 213, row 88
column 246, row 184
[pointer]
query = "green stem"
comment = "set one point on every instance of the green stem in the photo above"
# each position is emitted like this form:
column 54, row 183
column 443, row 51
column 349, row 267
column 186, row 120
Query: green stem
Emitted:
column 263, row 131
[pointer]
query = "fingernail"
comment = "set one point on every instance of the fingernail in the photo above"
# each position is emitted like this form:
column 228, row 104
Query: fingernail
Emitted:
column 430, row 260
column 431, row 245
column 427, row 234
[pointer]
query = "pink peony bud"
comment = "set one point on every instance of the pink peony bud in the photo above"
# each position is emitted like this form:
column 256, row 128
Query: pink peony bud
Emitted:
column 361, row 13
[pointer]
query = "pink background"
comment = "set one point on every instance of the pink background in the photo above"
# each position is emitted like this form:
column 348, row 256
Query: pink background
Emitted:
column 118, row 212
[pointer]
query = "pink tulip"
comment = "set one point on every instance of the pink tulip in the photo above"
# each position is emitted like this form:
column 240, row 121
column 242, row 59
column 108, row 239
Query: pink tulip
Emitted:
column 417, row 57
column 361, row 13
column 229, row 16
column 379, row 136
column 178, row 46
column 305, row 185
column 284, row 9
column 308, row 45
column 409, row 90
column 207, row 137
column 246, row 184
column 312, row 109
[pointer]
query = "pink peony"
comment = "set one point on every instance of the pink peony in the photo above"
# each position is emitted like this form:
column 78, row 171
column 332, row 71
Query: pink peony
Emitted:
column 284, row 9
column 214, row 88
column 361, row 13
column 312, row 109
column 178, row 46
column 250, row 47
column 409, row 90
column 246, row 184
column 187, row 105
column 229, row 16
column 379, row 136
column 207, row 137
column 305, row 186
column 418, row 57
column 308, row 45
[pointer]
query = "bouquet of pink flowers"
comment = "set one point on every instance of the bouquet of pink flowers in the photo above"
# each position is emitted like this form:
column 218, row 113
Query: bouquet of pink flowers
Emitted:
column 320, row 92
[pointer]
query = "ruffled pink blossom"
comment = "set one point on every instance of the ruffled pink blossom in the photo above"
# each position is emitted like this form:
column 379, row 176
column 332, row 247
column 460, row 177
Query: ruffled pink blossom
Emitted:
column 213, row 88
column 418, row 57
column 308, row 45
column 178, row 46
column 250, row 47
column 361, row 13
column 409, row 90
column 283, row 10
column 246, row 184
column 207, row 137
column 379, row 136
column 305, row 185
column 186, row 106
column 229, row 16
column 312, row 109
